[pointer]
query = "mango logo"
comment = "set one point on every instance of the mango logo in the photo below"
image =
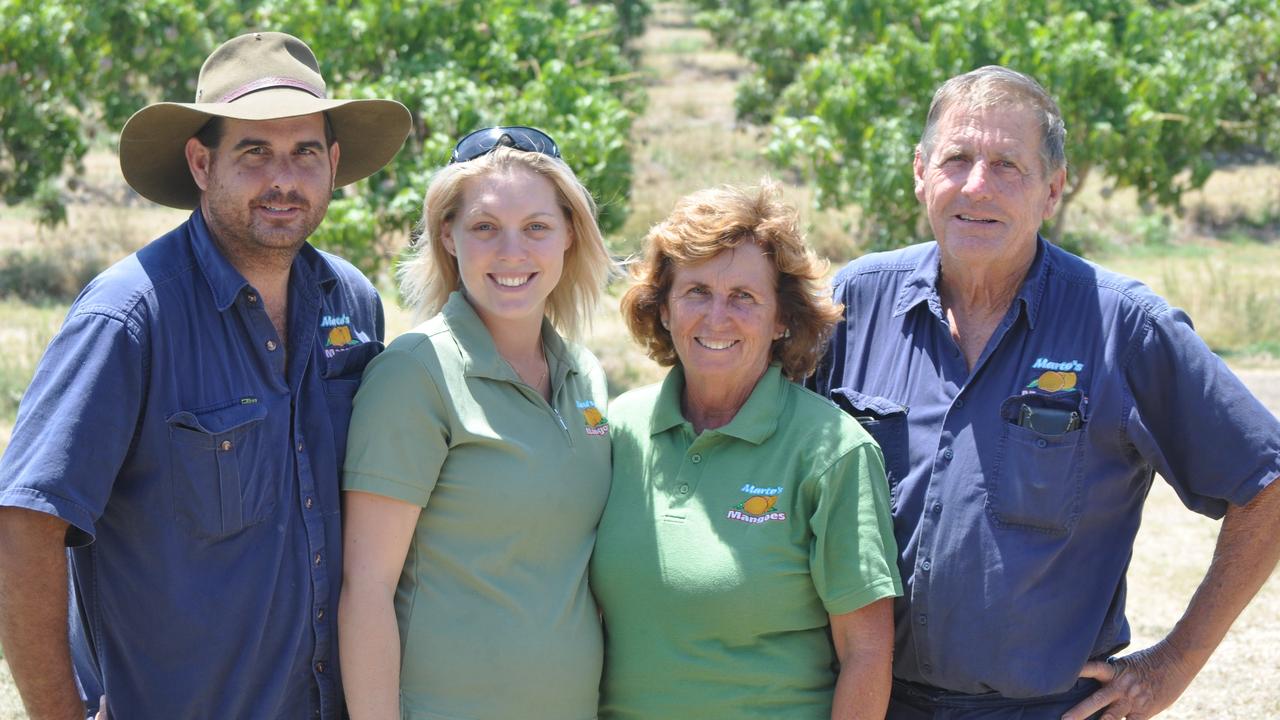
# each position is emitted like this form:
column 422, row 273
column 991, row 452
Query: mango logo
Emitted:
column 339, row 336
column 759, row 505
column 592, row 416
column 1055, row 380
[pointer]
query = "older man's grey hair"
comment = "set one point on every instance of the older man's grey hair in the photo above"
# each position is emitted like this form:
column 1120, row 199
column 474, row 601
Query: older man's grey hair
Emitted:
column 995, row 86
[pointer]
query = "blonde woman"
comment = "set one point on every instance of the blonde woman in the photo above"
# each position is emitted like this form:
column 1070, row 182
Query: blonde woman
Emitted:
column 478, row 459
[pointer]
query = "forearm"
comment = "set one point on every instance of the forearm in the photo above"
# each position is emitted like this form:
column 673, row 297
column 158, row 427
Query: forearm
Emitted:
column 33, row 613
column 370, row 651
column 1247, row 550
column 862, row 689
column 864, row 643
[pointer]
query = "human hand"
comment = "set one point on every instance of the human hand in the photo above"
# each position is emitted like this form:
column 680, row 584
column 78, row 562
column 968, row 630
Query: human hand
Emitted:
column 102, row 709
column 1137, row 686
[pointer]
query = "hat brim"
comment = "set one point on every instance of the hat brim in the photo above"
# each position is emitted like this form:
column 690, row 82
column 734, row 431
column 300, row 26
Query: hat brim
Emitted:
column 153, row 160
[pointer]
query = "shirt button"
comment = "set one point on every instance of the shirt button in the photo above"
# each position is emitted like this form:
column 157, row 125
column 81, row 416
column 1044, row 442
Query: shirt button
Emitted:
column 320, row 614
column 271, row 345
column 684, row 489
column 948, row 454
column 924, row 619
column 320, row 666
column 959, row 403
column 696, row 458
column 226, row 445
column 251, row 298
column 926, row 565
column 299, row 447
column 318, row 557
column 308, row 503
column 937, row 508
column 1040, row 442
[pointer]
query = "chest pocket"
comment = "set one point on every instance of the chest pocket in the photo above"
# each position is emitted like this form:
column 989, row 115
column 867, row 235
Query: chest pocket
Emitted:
column 1038, row 476
column 886, row 422
column 216, row 492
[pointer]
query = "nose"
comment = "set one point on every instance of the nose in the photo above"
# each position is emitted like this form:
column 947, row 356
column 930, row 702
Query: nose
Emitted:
column 285, row 175
column 977, row 181
column 719, row 311
column 510, row 244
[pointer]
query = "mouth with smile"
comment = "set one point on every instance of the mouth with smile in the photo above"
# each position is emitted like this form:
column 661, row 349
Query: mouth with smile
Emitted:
column 965, row 217
column 715, row 344
column 512, row 281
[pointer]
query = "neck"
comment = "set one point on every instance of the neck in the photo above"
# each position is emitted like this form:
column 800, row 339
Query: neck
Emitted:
column 981, row 290
column 709, row 403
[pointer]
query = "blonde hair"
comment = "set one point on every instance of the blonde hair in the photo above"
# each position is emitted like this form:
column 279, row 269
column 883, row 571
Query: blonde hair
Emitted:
column 431, row 272
column 711, row 221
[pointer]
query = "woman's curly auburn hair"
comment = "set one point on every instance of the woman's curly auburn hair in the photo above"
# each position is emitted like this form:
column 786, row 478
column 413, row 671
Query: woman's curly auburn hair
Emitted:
column 711, row 221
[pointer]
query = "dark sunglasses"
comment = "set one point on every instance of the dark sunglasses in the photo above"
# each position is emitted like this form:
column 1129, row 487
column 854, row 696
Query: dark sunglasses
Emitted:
column 483, row 142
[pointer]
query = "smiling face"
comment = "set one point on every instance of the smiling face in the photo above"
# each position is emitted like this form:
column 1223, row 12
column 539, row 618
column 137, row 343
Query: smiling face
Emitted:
column 723, row 317
column 510, row 236
column 984, row 188
column 266, row 186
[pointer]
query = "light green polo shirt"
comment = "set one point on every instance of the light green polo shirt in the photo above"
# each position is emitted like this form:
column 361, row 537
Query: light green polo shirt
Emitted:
column 720, row 556
column 496, row 620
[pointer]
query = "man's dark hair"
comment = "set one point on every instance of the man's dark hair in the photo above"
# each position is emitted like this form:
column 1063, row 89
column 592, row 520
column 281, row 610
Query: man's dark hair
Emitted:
column 210, row 134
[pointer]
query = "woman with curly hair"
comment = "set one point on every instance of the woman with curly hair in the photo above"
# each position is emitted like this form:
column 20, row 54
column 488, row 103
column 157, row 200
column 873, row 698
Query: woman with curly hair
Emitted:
column 745, row 560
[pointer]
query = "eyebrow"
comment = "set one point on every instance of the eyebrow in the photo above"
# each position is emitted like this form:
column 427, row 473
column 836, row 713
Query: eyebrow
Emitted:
column 258, row 142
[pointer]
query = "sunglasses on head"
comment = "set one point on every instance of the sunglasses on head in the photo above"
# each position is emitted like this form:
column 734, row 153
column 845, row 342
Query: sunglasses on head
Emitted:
column 483, row 142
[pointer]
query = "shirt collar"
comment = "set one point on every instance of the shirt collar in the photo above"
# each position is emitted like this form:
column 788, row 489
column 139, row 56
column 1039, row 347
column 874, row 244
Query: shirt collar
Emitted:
column 755, row 422
column 226, row 282
column 480, row 356
column 921, row 286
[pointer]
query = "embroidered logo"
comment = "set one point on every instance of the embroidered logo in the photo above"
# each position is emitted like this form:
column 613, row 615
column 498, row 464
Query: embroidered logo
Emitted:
column 1057, row 376
column 595, row 422
column 338, row 335
column 758, row 508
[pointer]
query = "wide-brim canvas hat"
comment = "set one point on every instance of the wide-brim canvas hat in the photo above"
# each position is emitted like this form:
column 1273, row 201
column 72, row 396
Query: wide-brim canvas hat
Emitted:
column 258, row 76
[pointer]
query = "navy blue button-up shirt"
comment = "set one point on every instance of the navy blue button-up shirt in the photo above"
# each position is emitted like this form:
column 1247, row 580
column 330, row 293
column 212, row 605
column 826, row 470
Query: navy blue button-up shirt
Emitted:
column 1017, row 487
column 196, row 457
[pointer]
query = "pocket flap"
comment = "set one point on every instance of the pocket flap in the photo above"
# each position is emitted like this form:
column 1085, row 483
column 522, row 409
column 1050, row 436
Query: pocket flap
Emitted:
column 221, row 420
column 860, row 405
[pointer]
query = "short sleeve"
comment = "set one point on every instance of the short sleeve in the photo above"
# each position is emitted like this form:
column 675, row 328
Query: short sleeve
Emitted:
column 1194, row 421
column 399, row 435
column 76, row 422
column 853, row 560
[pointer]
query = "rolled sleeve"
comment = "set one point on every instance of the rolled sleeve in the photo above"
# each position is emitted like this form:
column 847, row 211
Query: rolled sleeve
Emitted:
column 398, row 439
column 853, row 557
column 76, row 422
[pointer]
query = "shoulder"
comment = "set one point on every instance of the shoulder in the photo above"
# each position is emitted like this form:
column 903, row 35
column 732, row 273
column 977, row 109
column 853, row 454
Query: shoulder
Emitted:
column 635, row 405
column 586, row 365
column 887, row 264
column 811, row 421
column 1072, row 273
column 348, row 275
column 126, row 291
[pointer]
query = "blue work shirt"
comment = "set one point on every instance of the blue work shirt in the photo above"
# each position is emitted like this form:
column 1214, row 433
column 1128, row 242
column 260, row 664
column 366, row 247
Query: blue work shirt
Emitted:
column 1014, row 542
column 198, row 469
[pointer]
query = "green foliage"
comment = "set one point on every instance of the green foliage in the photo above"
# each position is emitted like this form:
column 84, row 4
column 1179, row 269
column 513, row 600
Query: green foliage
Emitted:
column 1150, row 91
column 69, row 69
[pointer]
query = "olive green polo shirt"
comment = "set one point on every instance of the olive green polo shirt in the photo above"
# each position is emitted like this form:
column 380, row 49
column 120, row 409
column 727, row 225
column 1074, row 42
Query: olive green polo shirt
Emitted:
column 496, row 620
column 720, row 556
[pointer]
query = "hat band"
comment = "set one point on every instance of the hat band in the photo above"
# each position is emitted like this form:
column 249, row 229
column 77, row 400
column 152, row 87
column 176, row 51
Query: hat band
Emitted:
column 270, row 82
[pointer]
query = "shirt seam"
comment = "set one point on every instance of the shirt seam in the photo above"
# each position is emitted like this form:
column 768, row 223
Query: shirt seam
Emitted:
column 857, row 599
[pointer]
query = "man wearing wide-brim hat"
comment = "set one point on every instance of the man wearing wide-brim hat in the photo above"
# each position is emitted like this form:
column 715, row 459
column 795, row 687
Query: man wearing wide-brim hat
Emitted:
column 184, row 433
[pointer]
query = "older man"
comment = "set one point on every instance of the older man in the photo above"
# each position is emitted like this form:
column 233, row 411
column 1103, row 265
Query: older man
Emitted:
column 184, row 431
column 1024, row 398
